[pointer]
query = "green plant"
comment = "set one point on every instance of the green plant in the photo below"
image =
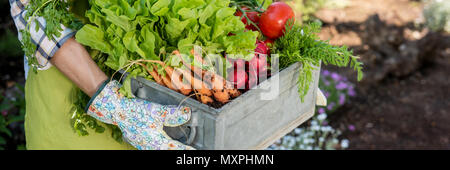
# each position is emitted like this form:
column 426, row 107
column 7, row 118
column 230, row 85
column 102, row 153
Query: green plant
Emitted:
column 301, row 44
column 12, row 111
column 10, row 45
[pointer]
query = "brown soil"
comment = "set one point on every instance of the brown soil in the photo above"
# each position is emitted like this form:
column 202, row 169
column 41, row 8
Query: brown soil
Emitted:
column 403, row 101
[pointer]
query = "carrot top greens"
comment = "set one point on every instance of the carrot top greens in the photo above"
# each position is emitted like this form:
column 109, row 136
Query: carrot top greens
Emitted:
column 301, row 44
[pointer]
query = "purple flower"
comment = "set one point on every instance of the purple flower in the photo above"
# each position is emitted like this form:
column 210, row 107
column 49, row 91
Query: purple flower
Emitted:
column 325, row 73
column 330, row 106
column 341, row 85
column 351, row 127
column 4, row 112
column 341, row 99
column 321, row 110
column 326, row 94
column 335, row 76
column 351, row 92
column 326, row 82
column 325, row 123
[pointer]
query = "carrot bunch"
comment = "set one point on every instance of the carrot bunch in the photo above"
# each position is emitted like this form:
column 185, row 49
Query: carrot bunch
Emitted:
column 206, row 85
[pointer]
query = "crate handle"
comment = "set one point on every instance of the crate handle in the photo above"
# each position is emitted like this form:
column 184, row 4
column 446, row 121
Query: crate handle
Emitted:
column 192, row 134
column 321, row 100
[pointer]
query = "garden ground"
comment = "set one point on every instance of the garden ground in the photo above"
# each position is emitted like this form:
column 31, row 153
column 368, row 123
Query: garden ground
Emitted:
column 403, row 102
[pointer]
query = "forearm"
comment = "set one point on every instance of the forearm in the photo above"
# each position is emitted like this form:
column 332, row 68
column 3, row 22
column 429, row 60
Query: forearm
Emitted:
column 76, row 64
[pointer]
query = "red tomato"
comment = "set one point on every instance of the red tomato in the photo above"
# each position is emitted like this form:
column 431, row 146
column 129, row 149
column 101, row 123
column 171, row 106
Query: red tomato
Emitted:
column 253, row 16
column 273, row 20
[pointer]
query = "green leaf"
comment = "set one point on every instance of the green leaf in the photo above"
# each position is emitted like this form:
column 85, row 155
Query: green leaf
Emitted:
column 131, row 43
column 149, row 43
column 122, row 21
column 123, row 59
column 126, row 87
column 175, row 27
column 2, row 141
column 93, row 37
column 241, row 44
column 128, row 10
column 160, row 8
column 185, row 45
column 15, row 119
column 5, row 130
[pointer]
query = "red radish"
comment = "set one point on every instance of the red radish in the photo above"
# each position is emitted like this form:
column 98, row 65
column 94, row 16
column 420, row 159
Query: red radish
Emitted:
column 253, row 16
column 273, row 21
column 239, row 78
column 259, row 62
column 253, row 78
column 238, row 64
column 261, row 48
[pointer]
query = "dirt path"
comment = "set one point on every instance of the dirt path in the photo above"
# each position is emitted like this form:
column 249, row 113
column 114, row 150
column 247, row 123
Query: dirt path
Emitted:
column 403, row 102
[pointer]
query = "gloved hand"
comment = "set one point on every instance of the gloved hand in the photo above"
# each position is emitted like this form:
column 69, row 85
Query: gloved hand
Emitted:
column 141, row 121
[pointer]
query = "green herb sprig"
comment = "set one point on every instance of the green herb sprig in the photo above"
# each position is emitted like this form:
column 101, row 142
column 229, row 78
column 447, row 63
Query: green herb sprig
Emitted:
column 55, row 13
column 301, row 44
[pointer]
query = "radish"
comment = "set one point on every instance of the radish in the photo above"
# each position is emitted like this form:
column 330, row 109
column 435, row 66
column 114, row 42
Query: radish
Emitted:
column 261, row 47
column 239, row 78
column 239, row 64
column 253, row 78
column 259, row 61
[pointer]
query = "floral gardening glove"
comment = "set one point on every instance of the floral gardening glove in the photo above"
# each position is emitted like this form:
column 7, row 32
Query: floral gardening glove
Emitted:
column 141, row 121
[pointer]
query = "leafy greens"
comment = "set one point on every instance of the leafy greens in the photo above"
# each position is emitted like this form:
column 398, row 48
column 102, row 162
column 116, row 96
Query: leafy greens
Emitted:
column 128, row 30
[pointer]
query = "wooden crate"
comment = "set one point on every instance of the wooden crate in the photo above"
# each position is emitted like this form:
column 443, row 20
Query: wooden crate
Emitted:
column 247, row 122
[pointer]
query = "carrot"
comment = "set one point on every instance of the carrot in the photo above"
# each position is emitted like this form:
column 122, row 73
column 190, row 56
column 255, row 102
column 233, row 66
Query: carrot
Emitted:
column 203, row 98
column 221, row 96
column 165, row 79
column 177, row 81
column 221, row 88
column 153, row 73
column 206, row 99
column 195, row 83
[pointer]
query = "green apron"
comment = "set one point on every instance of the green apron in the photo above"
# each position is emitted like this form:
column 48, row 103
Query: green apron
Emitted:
column 49, row 97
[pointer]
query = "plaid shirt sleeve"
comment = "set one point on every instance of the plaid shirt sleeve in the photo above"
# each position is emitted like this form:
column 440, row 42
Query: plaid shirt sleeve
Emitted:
column 46, row 47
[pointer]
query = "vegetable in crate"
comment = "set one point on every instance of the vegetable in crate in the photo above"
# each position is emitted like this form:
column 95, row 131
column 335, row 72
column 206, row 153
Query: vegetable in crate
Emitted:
column 138, row 35
column 301, row 44
column 253, row 18
column 273, row 20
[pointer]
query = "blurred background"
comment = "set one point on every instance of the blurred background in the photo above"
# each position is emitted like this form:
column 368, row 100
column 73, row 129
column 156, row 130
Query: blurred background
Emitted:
column 402, row 102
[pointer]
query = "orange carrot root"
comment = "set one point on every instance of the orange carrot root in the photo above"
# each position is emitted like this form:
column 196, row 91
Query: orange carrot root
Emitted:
column 221, row 96
column 196, row 83
column 221, row 89
column 206, row 99
column 177, row 81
